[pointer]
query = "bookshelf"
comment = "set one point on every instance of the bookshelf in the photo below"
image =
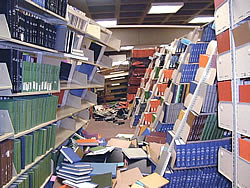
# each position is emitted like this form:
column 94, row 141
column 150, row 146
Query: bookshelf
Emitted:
column 73, row 112
column 233, row 71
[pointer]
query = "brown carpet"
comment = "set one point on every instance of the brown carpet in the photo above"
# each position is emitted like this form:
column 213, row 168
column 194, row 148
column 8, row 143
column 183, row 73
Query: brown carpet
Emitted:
column 108, row 129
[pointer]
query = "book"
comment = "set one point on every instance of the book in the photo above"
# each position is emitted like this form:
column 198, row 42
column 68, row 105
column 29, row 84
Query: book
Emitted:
column 80, row 185
column 65, row 170
column 102, row 168
column 87, row 142
column 134, row 153
column 103, row 180
column 70, row 155
column 154, row 180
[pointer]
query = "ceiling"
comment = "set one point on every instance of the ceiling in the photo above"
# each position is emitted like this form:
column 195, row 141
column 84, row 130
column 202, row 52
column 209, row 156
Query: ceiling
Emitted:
column 134, row 12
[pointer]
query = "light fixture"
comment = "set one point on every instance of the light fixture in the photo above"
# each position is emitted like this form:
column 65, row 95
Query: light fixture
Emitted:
column 164, row 8
column 202, row 19
column 126, row 48
column 107, row 22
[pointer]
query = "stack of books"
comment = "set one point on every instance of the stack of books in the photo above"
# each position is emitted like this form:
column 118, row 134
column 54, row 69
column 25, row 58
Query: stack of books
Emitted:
column 188, row 72
column 34, row 110
column 77, row 172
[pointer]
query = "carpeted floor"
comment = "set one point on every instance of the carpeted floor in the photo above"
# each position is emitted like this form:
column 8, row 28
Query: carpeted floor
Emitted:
column 108, row 129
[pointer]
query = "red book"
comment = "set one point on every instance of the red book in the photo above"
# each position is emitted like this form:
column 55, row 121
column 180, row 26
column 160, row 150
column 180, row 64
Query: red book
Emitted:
column 225, row 91
column 244, row 148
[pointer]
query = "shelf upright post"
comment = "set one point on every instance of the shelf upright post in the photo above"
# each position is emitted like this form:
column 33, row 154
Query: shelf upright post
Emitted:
column 235, row 100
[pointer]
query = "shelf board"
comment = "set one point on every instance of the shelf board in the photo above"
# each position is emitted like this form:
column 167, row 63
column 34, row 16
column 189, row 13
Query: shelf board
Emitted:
column 194, row 167
column 63, row 134
column 14, row 178
column 225, row 117
column 2, row 38
column 6, row 136
column 34, row 128
column 5, row 87
column 67, row 111
column 69, row 86
column 32, row 6
column 30, row 93
column 225, row 167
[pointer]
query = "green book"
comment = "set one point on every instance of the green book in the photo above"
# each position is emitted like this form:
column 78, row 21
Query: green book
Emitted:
column 97, row 148
column 17, row 155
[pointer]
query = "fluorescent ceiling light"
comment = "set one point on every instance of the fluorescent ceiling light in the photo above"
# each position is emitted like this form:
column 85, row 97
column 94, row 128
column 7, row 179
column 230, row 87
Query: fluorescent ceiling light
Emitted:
column 107, row 23
column 164, row 8
column 127, row 47
column 202, row 19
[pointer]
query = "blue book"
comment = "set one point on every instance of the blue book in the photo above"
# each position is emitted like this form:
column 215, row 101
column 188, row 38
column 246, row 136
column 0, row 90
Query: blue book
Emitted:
column 76, row 165
column 212, row 160
column 77, row 169
column 87, row 69
column 202, row 161
column 81, row 180
column 178, row 153
column 198, row 154
column 70, row 155
column 79, row 92
column 23, row 138
column 207, row 153
column 188, row 155
column 74, row 172
column 146, row 132
column 193, row 154
column 103, row 168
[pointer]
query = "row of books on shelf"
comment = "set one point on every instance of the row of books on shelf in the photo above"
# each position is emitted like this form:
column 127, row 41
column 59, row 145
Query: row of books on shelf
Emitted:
column 210, row 101
column 171, row 112
column 195, row 154
column 28, row 147
column 28, row 76
column 174, row 61
column 6, row 167
column 35, row 176
column 188, row 72
column 164, row 127
column 29, row 111
column 75, row 20
column 181, row 47
column 59, row 6
column 204, row 127
column 196, row 50
column 180, row 91
column 200, row 177
column 27, row 27
column 208, row 33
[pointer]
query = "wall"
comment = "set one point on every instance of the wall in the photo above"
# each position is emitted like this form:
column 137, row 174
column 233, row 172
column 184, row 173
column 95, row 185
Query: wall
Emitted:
column 140, row 37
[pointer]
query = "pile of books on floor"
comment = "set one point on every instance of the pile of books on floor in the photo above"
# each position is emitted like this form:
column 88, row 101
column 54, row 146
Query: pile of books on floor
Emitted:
column 125, row 161
column 88, row 160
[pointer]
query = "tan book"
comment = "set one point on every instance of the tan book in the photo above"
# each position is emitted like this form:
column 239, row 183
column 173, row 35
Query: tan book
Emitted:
column 154, row 181
column 128, row 178
column 118, row 143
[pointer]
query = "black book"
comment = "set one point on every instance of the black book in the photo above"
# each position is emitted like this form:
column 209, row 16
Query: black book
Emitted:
column 64, row 71
column 96, row 48
column 9, row 56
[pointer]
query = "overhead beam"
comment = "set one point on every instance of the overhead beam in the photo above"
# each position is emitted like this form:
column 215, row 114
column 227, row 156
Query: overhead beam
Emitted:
column 198, row 13
column 145, row 12
column 117, row 9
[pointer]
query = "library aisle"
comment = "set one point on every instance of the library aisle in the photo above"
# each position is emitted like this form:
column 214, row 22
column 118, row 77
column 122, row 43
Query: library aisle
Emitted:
column 124, row 94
